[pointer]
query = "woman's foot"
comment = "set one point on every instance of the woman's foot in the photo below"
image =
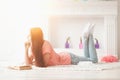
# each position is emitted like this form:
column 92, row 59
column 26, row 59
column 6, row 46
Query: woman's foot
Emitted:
column 85, row 36
column 91, row 30
column 87, row 31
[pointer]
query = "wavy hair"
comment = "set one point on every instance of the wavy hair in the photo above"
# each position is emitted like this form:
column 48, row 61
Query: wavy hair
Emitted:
column 37, row 42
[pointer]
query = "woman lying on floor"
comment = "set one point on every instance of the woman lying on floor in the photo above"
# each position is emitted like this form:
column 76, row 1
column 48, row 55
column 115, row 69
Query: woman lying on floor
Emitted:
column 39, row 52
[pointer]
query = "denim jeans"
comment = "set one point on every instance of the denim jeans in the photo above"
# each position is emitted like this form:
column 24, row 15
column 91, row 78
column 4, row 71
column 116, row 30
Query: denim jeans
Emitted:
column 89, row 52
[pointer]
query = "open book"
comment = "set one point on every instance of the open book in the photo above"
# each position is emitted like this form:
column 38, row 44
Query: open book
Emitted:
column 20, row 67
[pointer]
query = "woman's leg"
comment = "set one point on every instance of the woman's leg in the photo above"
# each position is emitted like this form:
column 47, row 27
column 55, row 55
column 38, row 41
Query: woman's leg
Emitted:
column 85, row 40
column 86, row 47
column 92, row 50
column 89, row 51
column 75, row 59
column 88, row 44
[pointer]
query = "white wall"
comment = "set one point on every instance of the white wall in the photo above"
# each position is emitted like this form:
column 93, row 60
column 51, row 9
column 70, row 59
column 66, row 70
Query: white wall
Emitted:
column 119, row 28
column 16, row 17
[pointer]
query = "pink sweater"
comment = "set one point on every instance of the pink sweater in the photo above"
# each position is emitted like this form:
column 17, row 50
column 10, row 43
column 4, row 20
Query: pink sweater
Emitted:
column 62, row 58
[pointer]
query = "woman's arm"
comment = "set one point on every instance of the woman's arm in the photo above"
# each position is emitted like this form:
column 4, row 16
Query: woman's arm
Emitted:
column 46, row 58
column 28, row 58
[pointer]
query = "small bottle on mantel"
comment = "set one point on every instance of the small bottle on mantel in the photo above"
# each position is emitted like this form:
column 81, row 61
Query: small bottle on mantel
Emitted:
column 80, row 44
column 96, row 44
column 67, row 43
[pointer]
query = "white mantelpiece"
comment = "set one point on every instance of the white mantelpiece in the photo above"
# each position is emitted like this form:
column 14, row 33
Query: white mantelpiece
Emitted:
column 73, row 7
column 103, row 11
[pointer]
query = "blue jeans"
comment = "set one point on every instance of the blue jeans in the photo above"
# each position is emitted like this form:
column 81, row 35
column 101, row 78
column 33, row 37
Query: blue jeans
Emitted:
column 89, row 52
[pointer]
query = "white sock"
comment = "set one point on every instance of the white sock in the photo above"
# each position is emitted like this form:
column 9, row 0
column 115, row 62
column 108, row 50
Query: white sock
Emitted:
column 87, row 30
column 91, row 29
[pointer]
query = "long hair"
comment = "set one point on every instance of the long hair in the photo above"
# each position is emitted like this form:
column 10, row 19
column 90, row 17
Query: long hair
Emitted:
column 37, row 42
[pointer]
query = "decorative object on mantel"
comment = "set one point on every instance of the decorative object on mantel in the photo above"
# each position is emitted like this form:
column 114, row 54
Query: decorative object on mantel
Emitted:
column 80, row 44
column 68, row 43
column 96, row 44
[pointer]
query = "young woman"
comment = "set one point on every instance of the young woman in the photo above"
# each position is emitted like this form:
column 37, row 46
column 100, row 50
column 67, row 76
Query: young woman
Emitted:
column 39, row 52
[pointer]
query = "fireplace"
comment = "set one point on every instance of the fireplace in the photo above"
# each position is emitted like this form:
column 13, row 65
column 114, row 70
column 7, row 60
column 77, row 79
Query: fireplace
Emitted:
column 68, row 19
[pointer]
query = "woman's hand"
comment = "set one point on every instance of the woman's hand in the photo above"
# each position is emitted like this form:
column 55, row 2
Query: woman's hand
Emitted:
column 27, row 45
column 28, row 56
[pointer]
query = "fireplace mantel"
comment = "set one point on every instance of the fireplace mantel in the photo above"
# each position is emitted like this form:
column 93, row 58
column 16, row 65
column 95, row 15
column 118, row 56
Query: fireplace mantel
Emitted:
column 107, row 10
column 95, row 8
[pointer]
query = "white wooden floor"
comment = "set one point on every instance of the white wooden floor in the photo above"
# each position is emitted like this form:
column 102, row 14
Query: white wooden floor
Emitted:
column 75, row 73
column 59, row 74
